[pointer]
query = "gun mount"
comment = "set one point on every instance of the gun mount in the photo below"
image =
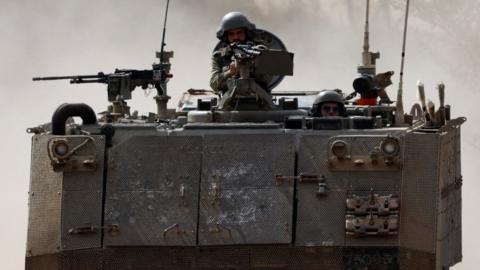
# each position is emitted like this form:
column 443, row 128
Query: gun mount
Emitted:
column 254, row 61
column 122, row 82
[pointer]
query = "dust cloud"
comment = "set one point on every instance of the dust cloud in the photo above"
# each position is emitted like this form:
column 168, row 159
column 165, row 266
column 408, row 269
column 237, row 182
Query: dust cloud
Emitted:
column 63, row 37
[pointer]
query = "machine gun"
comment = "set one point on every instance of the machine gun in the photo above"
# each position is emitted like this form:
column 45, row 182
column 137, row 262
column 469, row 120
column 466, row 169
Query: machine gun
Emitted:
column 122, row 82
column 245, row 51
column 253, row 61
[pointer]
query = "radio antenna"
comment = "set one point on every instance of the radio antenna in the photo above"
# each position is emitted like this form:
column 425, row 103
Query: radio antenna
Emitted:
column 399, row 114
column 366, row 34
column 163, row 71
column 368, row 58
column 163, row 35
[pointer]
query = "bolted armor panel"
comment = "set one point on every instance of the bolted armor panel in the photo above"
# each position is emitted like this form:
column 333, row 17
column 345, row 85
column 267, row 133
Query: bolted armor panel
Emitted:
column 152, row 191
column 65, row 196
column 240, row 194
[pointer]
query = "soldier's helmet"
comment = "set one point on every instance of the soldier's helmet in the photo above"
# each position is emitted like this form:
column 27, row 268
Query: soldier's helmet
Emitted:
column 234, row 20
column 328, row 96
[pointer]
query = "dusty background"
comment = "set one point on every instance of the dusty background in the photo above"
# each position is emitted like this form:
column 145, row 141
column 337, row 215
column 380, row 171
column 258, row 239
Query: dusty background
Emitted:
column 61, row 37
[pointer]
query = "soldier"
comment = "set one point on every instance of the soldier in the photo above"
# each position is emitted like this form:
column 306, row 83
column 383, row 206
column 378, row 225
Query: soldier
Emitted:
column 328, row 103
column 235, row 27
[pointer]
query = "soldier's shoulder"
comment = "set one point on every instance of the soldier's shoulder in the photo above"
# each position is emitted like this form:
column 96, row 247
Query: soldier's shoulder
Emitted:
column 217, row 53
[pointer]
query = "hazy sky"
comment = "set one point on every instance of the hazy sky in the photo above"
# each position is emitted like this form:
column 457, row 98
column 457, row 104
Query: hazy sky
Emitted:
column 62, row 37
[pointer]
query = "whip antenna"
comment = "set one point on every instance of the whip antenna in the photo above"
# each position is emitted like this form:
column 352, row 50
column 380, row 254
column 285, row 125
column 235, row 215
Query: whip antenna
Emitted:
column 366, row 45
column 399, row 114
column 162, row 73
column 368, row 58
column 163, row 35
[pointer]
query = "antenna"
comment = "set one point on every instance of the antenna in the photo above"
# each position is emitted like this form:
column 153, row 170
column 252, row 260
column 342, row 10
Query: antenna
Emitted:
column 368, row 58
column 163, row 69
column 399, row 114
column 366, row 34
column 163, row 35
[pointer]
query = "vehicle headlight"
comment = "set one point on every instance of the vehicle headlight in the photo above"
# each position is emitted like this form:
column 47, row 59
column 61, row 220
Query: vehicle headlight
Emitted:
column 60, row 149
column 390, row 147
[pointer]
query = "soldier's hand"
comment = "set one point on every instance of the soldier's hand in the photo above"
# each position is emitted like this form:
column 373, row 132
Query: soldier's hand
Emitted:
column 232, row 71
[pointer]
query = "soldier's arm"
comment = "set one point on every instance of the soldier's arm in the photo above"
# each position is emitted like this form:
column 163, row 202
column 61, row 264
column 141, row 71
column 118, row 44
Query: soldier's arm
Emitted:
column 218, row 78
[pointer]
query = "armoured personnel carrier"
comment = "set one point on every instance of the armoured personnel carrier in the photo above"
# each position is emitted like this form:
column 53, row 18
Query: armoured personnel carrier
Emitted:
column 252, row 179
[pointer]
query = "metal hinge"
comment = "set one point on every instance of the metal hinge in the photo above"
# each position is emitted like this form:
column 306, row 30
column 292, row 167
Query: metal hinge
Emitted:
column 303, row 177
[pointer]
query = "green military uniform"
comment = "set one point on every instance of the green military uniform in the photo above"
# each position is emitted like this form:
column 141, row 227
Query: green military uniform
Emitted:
column 220, row 64
column 221, row 60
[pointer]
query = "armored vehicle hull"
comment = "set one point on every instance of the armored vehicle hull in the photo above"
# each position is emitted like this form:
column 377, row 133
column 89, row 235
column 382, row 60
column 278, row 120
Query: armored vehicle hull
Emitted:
column 246, row 196
column 244, row 177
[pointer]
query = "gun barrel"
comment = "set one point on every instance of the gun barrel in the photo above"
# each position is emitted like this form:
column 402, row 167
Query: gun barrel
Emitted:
column 74, row 77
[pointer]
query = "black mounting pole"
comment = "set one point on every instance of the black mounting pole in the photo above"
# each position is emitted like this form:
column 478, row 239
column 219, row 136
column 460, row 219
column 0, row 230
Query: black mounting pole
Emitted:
column 163, row 35
column 399, row 118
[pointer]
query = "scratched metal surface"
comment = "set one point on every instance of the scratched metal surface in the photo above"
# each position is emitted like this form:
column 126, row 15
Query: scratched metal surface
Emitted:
column 152, row 191
column 320, row 219
column 313, row 158
column 240, row 201
column 449, row 211
column 44, row 219
column 457, row 197
column 234, row 257
column 83, row 259
column 82, row 198
column 414, row 259
column 419, row 192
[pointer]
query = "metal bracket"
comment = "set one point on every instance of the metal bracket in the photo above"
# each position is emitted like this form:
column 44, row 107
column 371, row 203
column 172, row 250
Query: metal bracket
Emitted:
column 381, row 205
column 169, row 228
column 63, row 158
column 303, row 177
column 372, row 215
column 371, row 224
column 86, row 230
column 181, row 192
column 384, row 157
column 322, row 187
column 453, row 124
column 370, row 162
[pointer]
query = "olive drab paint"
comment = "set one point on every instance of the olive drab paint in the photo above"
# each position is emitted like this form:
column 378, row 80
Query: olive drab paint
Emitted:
column 250, row 179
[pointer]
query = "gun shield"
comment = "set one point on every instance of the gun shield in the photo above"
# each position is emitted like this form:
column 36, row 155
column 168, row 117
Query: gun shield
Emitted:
column 274, row 62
